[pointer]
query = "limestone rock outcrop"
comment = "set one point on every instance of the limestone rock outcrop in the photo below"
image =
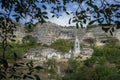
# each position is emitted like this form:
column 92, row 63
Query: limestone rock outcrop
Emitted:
column 47, row 33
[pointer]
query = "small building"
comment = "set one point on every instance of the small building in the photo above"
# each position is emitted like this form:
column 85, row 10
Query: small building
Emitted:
column 33, row 54
column 67, row 56
column 53, row 55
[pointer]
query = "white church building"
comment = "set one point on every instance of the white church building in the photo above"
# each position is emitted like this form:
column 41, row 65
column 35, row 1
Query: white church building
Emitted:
column 75, row 52
column 76, row 47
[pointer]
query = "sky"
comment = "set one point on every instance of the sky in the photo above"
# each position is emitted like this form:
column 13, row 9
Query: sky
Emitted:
column 64, row 19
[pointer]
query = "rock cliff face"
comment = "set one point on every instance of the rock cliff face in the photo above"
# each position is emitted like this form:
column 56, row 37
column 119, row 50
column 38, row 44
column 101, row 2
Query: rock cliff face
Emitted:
column 117, row 34
column 20, row 33
column 49, row 32
column 46, row 33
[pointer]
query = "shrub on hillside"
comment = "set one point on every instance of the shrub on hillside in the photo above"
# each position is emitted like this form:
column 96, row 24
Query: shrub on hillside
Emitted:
column 29, row 39
column 111, row 54
column 61, row 45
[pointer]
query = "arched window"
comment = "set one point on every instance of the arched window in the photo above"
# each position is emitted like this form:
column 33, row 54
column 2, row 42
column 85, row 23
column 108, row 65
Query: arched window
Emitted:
column 77, row 44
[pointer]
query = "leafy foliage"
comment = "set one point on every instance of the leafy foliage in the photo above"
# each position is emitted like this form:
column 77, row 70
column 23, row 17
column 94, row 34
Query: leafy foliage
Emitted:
column 96, row 72
column 7, row 27
column 29, row 40
column 15, row 72
column 29, row 27
column 61, row 45
column 111, row 54
column 51, row 65
column 112, row 42
column 103, row 65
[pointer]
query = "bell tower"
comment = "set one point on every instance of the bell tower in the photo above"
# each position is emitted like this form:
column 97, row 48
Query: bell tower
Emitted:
column 76, row 45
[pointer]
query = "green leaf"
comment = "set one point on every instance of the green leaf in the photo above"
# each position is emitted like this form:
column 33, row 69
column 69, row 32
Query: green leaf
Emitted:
column 53, row 15
column 90, row 4
column 67, row 13
column 101, row 11
column 46, row 17
column 13, row 40
column 64, row 8
column 42, row 1
column 38, row 67
column 105, row 29
column 24, row 76
column 88, row 9
column 44, row 12
column 17, row 18
column 44, row 6
column 75, row 20
column 84, row 21
column 113, row 29
column 118, row 24
column 81, row 25
column 111, row 33
column 30, row 77
column 15, row 15
column 18, row 65
column 15, row 55
column 100, row 21
column 69, row 20
column 77, row 26
column 108, row 11
column 37, row 77
column 91, row 22
column 5, row 63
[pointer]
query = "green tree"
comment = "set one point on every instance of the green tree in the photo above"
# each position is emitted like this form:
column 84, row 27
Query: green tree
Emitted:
column 51, row 65
column 29, row 27
column 29, row 40
column 111, row 54
column 51, row 68
column 105, row 73
column 61, row 45
column 112, row 42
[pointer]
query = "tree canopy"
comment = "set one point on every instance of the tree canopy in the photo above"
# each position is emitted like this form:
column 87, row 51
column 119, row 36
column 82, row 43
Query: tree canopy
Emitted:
column 62, row 45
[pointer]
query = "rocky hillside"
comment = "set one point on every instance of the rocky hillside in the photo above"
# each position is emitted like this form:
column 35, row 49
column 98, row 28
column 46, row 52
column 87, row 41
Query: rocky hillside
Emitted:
column 20, row 32
column 49, row 32
column 46, row 33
